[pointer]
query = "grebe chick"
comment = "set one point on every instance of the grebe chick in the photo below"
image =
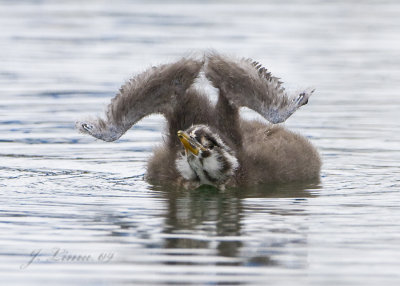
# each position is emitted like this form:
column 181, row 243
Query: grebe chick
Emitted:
column 208, row 143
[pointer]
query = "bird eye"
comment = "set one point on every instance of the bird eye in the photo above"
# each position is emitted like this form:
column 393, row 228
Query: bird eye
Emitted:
column 209, row 146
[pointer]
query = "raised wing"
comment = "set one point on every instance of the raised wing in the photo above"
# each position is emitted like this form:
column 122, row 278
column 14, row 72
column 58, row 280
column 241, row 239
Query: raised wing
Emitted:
column 247, row 83
column 154, row 91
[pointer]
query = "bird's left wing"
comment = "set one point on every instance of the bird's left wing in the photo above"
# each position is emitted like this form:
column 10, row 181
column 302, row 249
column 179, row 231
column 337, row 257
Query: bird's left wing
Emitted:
column 247, row 83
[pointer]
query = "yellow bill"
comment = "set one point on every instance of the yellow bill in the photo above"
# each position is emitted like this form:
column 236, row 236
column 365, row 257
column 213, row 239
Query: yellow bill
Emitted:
column 189, row 143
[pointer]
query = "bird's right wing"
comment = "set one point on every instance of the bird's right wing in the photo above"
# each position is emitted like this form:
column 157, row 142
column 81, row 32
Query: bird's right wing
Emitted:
column 246, row 83
column 156, row 90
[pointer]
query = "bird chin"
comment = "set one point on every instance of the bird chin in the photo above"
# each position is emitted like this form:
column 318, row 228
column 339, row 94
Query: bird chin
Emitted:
column 190, row 155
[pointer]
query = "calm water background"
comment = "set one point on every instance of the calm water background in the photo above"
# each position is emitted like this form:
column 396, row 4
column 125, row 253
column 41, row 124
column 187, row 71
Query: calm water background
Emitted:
column 75, row 211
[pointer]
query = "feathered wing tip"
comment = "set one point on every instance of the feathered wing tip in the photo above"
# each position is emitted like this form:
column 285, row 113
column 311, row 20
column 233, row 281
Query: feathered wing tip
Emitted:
column 247, row 83
column 156, row 90
column 100, row 129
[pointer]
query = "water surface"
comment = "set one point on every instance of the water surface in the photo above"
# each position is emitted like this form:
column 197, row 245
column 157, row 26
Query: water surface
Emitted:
column 75, row 211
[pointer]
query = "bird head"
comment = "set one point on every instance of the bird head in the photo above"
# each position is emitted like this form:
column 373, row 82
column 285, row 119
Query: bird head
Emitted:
column 206, row 158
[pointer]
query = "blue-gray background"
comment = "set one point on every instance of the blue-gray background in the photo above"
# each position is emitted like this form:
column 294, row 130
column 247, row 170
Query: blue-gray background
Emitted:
column 59, row 190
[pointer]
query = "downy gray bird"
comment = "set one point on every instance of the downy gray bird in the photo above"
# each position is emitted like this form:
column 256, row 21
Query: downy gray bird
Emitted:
column 210, row 143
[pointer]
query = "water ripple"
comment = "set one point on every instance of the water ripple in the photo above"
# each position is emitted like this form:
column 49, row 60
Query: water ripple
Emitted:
column 78, row 211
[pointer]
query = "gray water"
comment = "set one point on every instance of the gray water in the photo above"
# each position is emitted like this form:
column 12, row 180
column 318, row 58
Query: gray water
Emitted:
column 75, row 211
